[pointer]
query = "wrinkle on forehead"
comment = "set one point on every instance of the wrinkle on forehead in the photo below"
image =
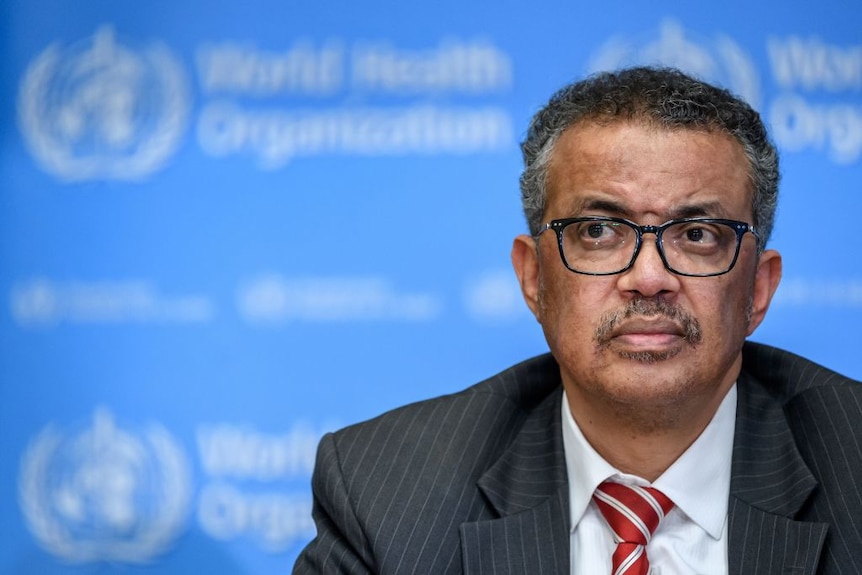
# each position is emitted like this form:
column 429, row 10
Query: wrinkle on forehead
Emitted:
column 646, row 170
column 600, row 205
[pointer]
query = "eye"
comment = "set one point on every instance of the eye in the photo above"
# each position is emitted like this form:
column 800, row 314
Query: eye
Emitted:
column 695, row 234
column 595, row 230
column 596, row 235
column 700, row 237
column 702, row 234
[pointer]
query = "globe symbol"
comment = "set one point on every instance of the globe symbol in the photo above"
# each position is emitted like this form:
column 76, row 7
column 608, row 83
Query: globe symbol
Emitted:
column 99, row 109
column 105, row 494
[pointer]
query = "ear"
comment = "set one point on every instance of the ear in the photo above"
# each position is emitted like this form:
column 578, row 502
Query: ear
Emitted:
column 526, row 263
column 766, row 281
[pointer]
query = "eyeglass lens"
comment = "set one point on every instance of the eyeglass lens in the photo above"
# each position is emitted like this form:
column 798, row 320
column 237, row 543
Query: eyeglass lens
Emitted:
column 603, row 247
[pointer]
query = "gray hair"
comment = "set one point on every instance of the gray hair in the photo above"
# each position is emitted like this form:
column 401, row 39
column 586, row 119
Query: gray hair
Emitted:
column 663, row 97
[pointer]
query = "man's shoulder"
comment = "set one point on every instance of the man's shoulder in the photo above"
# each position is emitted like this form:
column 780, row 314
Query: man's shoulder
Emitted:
column 518, row 388
column 475, row 423
column 788, row 376
column 406, row 480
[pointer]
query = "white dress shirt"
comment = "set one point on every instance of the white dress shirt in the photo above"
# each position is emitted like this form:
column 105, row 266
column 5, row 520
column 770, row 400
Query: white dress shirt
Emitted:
column 692, row 539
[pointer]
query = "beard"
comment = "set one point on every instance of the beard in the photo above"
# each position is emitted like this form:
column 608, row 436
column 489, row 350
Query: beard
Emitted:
column 648, row 307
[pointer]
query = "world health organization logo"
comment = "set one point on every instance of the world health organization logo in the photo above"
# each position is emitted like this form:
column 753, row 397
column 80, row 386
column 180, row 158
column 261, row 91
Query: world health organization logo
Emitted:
column 105, row 494
column 718, row 59
column 100, row 110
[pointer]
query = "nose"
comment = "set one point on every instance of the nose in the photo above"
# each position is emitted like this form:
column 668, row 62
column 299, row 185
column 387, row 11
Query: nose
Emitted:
column 648, row 276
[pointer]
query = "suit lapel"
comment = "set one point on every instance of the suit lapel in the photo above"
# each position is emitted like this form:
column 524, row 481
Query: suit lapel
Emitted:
column 528, row 490
column 770, row 483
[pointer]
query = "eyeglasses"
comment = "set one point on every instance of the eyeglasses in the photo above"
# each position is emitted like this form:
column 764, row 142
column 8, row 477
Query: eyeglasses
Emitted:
column 601, row 246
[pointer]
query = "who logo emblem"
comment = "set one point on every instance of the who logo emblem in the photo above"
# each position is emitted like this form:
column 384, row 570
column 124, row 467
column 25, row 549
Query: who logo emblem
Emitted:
column 100, row 110
column 104, row 493
column 718, row 59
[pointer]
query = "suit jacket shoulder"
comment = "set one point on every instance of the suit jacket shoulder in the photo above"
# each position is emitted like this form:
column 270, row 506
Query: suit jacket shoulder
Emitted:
column 786, row 375
column 391, row 493
column 796, row 482
column 476, row 423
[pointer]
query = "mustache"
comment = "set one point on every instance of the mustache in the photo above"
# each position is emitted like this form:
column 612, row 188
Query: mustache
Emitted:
column 649, row 307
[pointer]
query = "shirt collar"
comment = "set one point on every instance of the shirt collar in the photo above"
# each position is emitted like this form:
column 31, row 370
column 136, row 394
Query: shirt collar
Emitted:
column 698, row 479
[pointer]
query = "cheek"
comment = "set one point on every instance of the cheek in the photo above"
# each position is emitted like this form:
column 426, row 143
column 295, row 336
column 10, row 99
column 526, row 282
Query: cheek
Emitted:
column 729, row 314
column 570, row 308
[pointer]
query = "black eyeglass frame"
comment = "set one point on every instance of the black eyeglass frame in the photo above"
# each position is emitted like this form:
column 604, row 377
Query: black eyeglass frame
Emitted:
column 741, row 228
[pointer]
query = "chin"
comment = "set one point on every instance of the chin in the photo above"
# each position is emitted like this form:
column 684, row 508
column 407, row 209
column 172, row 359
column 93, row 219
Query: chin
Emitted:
column 649, row 356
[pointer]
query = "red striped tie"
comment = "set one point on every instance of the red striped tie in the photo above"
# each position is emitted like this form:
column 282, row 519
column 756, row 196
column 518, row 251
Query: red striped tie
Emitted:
column 633, row 514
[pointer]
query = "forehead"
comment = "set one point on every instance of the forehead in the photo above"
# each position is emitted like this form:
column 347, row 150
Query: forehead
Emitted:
column 648, row 170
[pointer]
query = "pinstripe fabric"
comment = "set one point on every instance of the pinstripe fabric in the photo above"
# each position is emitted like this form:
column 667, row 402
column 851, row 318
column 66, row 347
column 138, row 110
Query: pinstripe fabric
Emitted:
column 401, row 493
column 796, row 482
column 475, row 482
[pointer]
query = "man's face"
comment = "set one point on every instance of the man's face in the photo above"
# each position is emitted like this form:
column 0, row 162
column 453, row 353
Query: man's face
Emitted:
column 646, row 337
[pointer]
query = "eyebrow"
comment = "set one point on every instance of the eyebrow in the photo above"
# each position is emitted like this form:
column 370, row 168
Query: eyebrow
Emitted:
column 705, row 209
column 699, row 210
column 604, row 205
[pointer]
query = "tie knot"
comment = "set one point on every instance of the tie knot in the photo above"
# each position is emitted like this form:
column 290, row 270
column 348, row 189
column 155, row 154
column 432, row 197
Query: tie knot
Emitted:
column 633, row 513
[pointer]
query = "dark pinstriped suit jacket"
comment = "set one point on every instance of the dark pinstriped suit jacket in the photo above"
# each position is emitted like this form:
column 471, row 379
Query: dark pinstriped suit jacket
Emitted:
column 476, row 482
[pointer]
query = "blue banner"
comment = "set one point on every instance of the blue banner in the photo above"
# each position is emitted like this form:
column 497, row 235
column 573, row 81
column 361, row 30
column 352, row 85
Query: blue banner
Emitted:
column 227, row 229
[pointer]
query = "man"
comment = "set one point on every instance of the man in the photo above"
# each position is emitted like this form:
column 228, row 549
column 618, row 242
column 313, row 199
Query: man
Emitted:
column 650, row 197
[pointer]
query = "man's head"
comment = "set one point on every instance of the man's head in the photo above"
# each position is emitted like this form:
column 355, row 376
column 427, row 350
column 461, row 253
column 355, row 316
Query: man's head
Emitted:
column 646, row 311
column 666, row 98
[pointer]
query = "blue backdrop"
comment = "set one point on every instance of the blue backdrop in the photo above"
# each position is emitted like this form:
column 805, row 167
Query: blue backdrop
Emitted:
column 227, row 228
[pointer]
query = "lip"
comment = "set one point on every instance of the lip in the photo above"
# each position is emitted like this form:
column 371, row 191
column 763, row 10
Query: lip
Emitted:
column 645, row 333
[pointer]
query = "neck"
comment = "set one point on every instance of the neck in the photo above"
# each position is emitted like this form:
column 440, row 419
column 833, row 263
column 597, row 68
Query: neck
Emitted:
column 640, row 439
